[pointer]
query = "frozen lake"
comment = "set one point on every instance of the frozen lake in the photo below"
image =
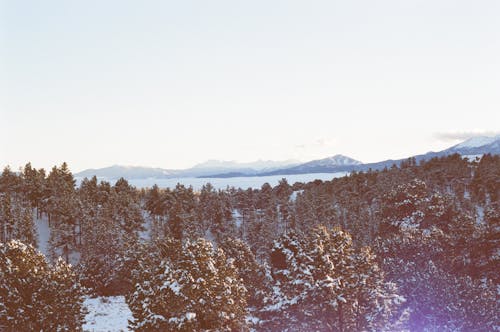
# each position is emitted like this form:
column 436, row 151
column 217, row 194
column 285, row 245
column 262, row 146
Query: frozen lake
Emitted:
column 238, row 182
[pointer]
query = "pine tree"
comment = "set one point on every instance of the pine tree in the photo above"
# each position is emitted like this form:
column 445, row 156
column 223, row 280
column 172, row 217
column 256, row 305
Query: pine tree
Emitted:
column 63, row 210
column 35, row 296
column 252, row 273
column 104, row 245
column 34, row 186
column 126, row 207
column 193, row 288
column 67, row 312
column 437, row 296
column 323, row 283
column 16, row 219
column 10, row 182
column 24, row 229
column 7, row 220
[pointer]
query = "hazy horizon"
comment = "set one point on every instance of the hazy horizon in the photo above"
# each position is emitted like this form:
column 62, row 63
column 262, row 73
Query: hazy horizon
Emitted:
column 242, row 163
column 170, row 85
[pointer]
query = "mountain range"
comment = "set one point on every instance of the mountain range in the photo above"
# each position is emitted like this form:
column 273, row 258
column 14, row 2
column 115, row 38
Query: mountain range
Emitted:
column 470, row 148
column 205, row 169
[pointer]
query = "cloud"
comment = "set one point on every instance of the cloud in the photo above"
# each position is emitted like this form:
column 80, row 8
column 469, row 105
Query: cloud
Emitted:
column 463, row 135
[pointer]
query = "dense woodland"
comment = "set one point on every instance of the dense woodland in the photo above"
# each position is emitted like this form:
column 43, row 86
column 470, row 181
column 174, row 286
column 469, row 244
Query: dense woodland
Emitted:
column 414, row 247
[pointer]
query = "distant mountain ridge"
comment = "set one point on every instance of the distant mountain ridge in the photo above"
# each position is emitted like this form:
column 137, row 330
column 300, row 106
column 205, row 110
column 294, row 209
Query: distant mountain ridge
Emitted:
column 472, row 147
column 477, row 145
column 331, row 162
column 128, row 172
column 256, row 165
column 207, row 168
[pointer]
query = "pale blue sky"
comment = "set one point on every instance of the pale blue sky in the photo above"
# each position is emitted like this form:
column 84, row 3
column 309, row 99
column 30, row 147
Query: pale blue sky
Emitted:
column 173, row 83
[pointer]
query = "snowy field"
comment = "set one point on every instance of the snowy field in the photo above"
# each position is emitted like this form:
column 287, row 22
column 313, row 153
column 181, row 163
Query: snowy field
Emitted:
column 107, row 314
column 239, row 182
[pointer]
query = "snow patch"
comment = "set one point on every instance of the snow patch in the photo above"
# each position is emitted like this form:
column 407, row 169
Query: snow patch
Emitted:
column 476, row 142
column 209, row 236
column 238, row 218
column 293, row 195
column 43, row 231
column 145, row 234
column 472, row 157
column 107, row 314
column 479, row 215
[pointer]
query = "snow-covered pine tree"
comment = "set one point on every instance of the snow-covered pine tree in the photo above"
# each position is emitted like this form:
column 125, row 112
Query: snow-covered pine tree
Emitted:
column 193, row 288
column 293, row 280
column 254, row 276
column 323, row 283
column 63, row 210
column 34, row 186
column 124, row 200
column 35, row 296
column 334, row 271
column 10, row 182
column 111, row 219
column 7, row 220
column 376, row 300
column 439, row 299
column 16, row 219
column 350, row 292
column 24, row 229
column 67, row 312
column 104, row 245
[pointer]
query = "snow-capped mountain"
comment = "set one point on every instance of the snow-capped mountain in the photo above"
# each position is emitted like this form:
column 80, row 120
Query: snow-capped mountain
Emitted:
column 475, row 146
column 256, row 165
column 337, row 163
column 128, row 172
column 337, row 160
column 209, row 167
column 476, row 142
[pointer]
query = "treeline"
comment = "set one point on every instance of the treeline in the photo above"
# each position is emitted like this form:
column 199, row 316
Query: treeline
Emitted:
column 412, row 247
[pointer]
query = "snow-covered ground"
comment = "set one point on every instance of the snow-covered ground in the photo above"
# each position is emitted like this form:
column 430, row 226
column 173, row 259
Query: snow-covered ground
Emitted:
column 293, row 196
column 473, row 157
column 239, row 182
column 43, row 231
column 107, row 314
column 237, row 217
column 148, row 223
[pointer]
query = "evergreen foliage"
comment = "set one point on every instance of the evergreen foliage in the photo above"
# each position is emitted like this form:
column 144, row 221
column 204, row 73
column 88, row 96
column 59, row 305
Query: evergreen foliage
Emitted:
column 304, row 252
column 193, row 288
column 36, row 296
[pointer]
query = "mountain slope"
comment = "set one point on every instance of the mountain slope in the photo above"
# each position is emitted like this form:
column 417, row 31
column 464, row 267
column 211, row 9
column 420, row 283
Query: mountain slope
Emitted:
column 337, row 163
column 200, row 170
column 337, row 160
column 477, row 145
column 127, row 172
column 225, row 169
column 470, row 148
column 256, row 165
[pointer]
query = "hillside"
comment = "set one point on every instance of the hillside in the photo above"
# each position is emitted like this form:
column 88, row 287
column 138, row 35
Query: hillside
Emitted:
column 393, row 239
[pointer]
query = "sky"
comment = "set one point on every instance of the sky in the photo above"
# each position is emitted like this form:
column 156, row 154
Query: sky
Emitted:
column 173, row 83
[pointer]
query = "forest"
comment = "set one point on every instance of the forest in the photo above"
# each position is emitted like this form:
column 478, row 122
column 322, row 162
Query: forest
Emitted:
column 414, row 247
